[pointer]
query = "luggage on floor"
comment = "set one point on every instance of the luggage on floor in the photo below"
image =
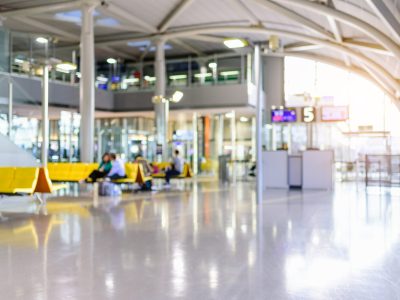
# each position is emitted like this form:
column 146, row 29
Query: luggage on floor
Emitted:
column 107, row 188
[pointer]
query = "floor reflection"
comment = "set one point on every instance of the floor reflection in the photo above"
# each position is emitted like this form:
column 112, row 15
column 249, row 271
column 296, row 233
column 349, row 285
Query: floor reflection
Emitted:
column 206, row 242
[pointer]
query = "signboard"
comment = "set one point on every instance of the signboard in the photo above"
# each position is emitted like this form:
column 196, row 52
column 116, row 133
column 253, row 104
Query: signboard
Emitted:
column 308, row 114
column 284, row 115
column 334, row 113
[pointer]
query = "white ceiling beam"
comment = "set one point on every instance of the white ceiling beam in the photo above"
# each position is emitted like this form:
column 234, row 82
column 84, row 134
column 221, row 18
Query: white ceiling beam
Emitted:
column 41, row 9
column 299, row 47
column 394, row 83
column 137, row 23
column 337, row 32
column 117, row 53
column 242, row 9
column 187, row 47
column 173, row 14
column 48, row 28
column 387, row 15
column 348, row 19
column 365, row 46
column 293, row 16
column 207, row 38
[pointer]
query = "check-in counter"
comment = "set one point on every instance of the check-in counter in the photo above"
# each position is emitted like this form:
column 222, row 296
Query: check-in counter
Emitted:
column 275, row 167
column 313, row 169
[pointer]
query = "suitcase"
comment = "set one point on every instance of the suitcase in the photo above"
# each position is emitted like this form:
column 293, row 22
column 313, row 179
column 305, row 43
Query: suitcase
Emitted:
column 107, row 188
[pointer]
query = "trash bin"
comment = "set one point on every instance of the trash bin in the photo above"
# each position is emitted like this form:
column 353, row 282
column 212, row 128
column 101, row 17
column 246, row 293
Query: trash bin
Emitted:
column 223, row 168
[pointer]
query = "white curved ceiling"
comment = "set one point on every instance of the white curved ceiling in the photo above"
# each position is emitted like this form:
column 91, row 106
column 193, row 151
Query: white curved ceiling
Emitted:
column 363, row 34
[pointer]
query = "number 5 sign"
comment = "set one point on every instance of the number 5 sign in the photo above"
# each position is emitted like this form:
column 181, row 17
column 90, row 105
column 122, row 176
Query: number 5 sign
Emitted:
column 308, row 114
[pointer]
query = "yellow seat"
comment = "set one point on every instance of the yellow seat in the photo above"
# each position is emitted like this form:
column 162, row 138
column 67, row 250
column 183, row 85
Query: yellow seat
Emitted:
column 77, row 172
column 25, row 180
column 6, row 179
column 186, row 173
column 131, row 170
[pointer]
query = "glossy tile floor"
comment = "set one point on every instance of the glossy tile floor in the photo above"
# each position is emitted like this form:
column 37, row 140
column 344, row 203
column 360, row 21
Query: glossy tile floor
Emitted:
column 206, row 242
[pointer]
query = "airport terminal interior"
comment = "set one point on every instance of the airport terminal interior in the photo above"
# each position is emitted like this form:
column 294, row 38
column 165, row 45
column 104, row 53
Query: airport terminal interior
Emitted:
column 200, row 149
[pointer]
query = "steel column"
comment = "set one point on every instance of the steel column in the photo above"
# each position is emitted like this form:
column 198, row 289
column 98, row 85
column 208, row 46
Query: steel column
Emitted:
column 87, row 101
column 45, row 115
column 161, row 108
column 259, row 123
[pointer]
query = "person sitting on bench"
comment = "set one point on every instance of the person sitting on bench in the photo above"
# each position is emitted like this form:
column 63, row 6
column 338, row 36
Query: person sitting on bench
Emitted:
column 176, row 168
column 117, row 170
column 103, row 170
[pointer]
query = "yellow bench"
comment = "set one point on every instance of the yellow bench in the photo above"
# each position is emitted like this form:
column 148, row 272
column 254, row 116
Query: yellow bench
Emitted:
column 25, row 180
column 131, row 171
column 186, row 173
column 70, row 172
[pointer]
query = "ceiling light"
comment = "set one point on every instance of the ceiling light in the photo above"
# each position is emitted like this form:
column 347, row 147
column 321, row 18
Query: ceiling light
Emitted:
column 179, row 76
column 149, row 78
column 176, row 97
column 212, row 65
column 235, row 43
column 66, row 67
column 244, row 119
column 131, row 80
column 202, row 75
column 102, row 79
column 111, row 61
column 19, row 61
column 229, row 73
column 229, row 115
column 274, row 43
column 42, row 40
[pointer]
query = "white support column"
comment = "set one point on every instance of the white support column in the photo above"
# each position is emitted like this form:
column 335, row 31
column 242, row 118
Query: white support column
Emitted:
column 162, row 107
column 87, row 92
column 10, row 107
column 45, row 115
column 259, row 123
column 195, row 145
column 233, row 144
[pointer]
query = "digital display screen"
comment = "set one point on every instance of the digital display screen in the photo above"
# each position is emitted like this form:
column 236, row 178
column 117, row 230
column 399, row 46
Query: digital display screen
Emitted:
column 334, row 113
column 284, row 115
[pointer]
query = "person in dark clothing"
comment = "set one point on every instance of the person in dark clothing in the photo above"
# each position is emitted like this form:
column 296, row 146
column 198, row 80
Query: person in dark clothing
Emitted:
column 103, row 170
column 176, row 169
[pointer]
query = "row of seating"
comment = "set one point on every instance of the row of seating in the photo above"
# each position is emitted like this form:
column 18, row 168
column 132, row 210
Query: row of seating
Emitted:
column 70, row 172
column 75, row 172
column 26, row 180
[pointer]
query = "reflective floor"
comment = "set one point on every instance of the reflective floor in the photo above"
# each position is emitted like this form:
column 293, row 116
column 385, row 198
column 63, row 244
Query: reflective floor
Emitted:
column 203, row 241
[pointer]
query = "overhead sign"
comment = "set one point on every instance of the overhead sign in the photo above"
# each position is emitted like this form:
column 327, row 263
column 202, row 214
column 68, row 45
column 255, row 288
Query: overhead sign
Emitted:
column 308, row 114
column 283, row 115
column 334, row 113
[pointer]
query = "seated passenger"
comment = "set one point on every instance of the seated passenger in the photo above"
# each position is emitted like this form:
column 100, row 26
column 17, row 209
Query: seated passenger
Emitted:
column 103, row 170
column 176, row 168
column 118, row 168
column 148, row 171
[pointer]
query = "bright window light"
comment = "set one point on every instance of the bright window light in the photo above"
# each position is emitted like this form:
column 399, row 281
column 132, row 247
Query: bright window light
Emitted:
column 177, row 96
column 111, row 61
column 178, row 76
column 212, row 65
column 149, row 78
column 229, row 73
column 131, row 80
column 202, row 75
column 66, row 67
column 244, row 119
column 235, row 43
column 42, row 40
column 18, row 61
column 102, row 79
column 229, row 115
